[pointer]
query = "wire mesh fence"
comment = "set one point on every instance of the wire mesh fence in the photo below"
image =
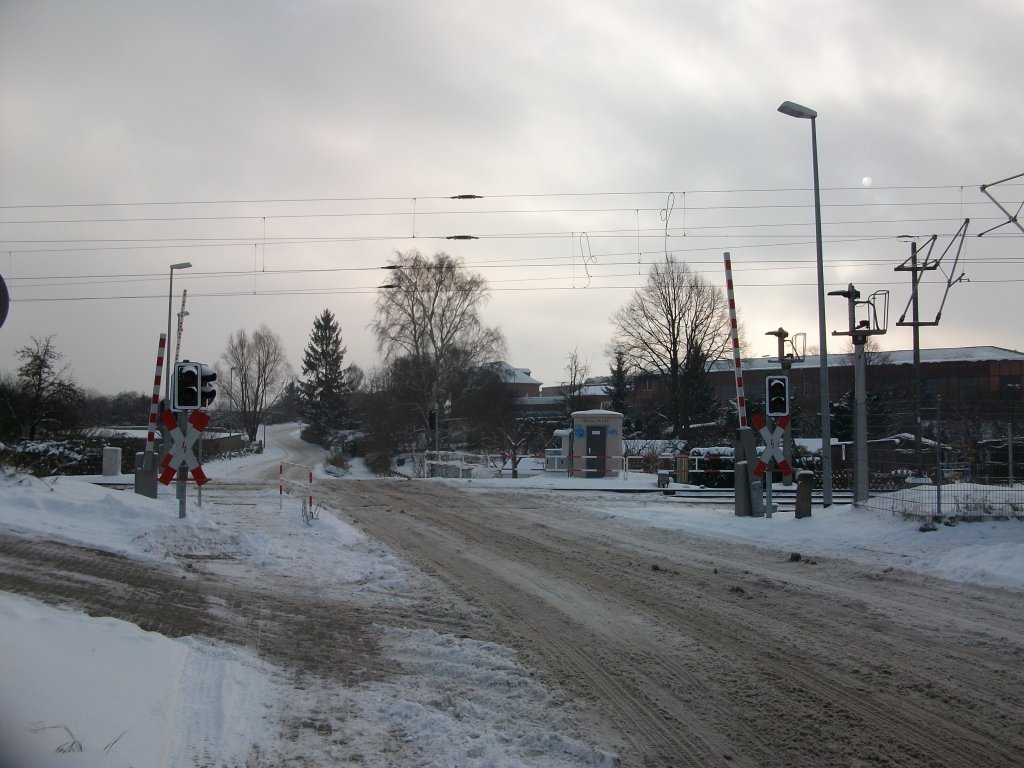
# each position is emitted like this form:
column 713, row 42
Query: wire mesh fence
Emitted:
column 952, row 501
column 969, row 489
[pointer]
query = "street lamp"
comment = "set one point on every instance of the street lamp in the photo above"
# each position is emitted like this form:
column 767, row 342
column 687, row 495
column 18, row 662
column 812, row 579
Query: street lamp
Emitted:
column 796, row 110
column 170, row 296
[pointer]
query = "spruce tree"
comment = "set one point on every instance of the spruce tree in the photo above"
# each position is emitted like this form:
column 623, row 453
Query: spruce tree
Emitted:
column 618, row 388
column 325, row 389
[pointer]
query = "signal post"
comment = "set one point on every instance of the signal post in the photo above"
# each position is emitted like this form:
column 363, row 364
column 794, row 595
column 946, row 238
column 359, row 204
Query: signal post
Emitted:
column 874, row 319
column 191, row 389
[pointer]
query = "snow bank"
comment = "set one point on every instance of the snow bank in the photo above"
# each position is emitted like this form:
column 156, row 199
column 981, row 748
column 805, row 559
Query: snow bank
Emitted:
column 81, row 691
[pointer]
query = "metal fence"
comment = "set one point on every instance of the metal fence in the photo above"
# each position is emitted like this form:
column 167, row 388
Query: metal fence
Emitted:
column 953, row 501
column 461, row 464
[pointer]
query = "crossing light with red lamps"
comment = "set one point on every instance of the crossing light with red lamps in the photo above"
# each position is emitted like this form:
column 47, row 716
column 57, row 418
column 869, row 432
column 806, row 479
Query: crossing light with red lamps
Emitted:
column 207, row 392
column 776, row 399
column 186, row 386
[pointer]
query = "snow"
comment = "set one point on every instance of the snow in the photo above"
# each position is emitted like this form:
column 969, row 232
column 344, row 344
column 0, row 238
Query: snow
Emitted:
column 987, row 552
column 131, row 697
column 893, row 357
column 113, row 688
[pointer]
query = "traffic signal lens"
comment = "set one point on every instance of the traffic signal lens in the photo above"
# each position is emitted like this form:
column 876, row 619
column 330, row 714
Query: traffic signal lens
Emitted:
column 186, row 386
column 207, row 391
column 777, row 396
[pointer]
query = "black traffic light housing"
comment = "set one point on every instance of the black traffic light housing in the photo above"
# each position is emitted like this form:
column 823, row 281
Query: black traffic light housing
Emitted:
column 776, row 398
column 185, row 386
column 206, row 389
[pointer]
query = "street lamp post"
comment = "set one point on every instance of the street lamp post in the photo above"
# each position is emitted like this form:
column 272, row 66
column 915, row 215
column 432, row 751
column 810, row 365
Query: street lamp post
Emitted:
column 170, row 298
column 796, row 110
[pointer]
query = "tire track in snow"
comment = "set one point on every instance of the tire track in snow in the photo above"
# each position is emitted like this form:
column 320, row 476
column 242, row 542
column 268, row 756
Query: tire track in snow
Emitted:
column 196, row 715
column 646, row 715
column 790, row 664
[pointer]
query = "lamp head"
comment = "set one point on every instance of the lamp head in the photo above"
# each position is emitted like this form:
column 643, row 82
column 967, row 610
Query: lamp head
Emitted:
column 182, row 265
column 796, row 110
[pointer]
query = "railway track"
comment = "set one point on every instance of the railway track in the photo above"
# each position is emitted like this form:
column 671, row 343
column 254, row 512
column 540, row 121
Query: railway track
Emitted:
column 779, row 495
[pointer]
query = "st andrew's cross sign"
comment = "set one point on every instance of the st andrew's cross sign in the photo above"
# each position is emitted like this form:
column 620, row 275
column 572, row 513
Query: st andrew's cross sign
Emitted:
column 181, row 447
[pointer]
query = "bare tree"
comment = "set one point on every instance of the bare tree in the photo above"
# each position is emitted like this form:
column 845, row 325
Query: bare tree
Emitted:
column 873, row 352
column 674, row 328
column 387, row 419
column 45, row 397
column 430, row 321
column 257, row 374
column 577, row 369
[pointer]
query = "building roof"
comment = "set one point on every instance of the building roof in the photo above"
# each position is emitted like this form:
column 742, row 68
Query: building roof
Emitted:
column 893, row 357
column 595, row 386
column 512, row 375
column 542, row 400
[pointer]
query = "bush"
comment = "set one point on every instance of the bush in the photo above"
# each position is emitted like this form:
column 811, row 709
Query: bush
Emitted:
column 73, row 456
column 338, row 459
column 311, row 434
column 379, row 464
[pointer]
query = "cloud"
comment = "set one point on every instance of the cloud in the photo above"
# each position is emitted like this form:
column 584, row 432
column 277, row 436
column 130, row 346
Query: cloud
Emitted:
column 367, row 116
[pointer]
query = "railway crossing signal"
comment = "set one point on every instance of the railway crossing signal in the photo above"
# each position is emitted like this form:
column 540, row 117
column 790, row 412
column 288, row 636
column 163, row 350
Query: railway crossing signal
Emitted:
column 773, row 446
column 776, row 395
column 206, row 389
column 181, row 447
column 185, row 388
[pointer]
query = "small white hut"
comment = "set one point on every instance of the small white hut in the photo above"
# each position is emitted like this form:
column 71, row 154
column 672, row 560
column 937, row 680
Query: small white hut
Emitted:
column 596, row 444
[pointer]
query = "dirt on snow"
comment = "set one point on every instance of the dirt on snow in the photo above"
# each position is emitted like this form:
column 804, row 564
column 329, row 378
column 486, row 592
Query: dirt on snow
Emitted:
column 680, row 650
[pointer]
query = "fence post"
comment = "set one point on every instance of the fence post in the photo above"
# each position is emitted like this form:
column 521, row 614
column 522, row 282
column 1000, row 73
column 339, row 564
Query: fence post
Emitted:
column 938, row 456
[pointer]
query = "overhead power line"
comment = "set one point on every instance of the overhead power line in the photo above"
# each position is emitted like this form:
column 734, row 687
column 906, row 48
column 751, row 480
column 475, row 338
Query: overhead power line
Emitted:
column 552, row 262
column 622, row 227
column 369, row 290
column 489, row 212
column 497, row 196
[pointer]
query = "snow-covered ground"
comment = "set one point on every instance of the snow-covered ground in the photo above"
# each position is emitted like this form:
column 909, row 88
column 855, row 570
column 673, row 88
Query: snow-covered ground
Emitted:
column 990, row 552
column 128, row 697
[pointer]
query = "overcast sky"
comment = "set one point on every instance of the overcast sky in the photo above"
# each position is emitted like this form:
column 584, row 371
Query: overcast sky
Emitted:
column 288, row 149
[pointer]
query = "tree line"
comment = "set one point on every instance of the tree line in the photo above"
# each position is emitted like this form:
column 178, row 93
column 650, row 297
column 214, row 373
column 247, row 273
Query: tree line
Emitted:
column 439, row 374
column 441, row 380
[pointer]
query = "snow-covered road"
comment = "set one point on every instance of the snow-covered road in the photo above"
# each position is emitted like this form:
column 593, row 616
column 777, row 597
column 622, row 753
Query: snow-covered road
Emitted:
column 449, row 623
column 709, row 652
column 242, row 636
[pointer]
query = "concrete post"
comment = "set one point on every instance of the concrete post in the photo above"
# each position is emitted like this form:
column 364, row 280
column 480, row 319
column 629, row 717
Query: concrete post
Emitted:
column 111, row 461
column 804, row 481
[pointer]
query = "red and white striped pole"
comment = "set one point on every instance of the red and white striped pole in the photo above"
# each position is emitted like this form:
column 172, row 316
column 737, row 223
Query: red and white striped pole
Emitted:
column 154, row 406
column 741, row 401
column 181, row 323
column 309, row 483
